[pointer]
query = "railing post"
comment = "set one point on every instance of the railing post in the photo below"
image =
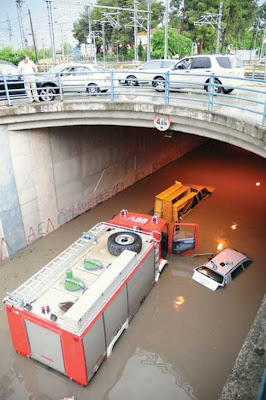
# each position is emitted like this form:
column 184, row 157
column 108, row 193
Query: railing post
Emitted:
column 264, row 114
column 112, row 86
column 210, row 92
column 60, row 88
column 7, row 92
column 166, row 88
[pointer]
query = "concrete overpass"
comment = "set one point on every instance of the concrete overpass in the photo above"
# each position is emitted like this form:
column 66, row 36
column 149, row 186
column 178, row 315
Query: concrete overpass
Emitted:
column 248, row 135
column 61, row 159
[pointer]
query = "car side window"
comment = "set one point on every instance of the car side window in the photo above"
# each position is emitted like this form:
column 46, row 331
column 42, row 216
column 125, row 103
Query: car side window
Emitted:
column 67, row 71
column 184, row 64
column 82, row 71
column 167, row 64
column 237, row 271
column 201, row 62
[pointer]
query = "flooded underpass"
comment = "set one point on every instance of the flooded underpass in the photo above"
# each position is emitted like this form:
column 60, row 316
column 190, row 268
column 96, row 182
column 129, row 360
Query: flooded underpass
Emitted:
column 184, row 339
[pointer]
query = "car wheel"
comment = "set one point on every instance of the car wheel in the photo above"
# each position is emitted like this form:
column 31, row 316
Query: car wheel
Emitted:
column 120, row 241
column 217, row 89
column 131, row 80
column 159, row 84
column 47, row 93
column 93, row 89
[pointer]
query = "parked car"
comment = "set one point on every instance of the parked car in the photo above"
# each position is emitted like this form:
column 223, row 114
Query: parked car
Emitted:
column 146, row 73
column 194, row 72
column 77, row 78
column 221, row 269
column 14, row 81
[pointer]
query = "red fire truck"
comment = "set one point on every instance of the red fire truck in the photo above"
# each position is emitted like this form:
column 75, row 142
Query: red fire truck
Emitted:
column 70, row 314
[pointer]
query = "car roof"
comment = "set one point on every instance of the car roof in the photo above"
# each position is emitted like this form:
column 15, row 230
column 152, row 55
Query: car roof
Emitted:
column 7, row 63
column 225, row 261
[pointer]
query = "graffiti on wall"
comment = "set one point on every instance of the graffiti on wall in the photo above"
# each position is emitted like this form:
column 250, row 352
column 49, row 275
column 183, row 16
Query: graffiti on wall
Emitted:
column 35, row 232
column 68, row 213
column 4, row 246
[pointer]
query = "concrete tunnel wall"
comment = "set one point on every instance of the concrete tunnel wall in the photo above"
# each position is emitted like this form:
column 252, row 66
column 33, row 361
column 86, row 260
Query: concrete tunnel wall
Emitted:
column 49, row 176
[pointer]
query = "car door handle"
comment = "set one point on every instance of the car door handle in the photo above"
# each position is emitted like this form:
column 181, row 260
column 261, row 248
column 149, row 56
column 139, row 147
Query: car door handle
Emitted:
column 187, row 72
column 207, row 71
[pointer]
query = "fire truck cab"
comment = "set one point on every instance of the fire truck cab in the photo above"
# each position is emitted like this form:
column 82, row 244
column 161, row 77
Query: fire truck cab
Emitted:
column 71, row 312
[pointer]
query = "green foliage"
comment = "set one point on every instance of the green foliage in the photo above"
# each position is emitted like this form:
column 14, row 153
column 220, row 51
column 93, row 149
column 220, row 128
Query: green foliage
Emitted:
column 45, row 53
column 15, row 56
column 238, row 18
column 177, row 44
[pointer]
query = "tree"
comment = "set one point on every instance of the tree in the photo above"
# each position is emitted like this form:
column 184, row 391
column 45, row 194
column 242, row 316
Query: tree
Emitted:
column 15, row 56
column 177, row 44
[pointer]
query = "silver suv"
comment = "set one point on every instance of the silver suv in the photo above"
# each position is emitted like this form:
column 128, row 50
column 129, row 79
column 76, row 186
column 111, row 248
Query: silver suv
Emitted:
column 194, row 72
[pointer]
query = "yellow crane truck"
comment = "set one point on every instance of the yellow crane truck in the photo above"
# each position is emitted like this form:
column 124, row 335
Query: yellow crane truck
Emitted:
column 177, row 200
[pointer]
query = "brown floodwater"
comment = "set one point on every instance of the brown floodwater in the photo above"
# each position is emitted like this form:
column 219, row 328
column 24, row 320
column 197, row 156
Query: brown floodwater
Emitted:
column 184, row 340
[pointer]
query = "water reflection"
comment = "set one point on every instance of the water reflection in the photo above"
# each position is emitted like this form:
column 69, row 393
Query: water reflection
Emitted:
column 178, row 301
column 153, row 379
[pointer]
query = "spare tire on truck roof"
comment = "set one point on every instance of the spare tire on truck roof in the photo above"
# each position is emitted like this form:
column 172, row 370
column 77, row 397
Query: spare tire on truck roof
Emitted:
column 120, row 241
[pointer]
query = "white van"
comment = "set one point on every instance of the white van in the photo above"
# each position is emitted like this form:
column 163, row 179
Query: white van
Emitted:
column 194, row 72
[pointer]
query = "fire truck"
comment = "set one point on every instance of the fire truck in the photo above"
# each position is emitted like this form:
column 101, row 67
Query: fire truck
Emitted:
column 69, row 314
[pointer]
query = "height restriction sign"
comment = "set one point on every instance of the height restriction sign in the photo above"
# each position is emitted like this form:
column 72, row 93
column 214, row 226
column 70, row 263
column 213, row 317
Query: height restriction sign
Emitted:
column 162, row 122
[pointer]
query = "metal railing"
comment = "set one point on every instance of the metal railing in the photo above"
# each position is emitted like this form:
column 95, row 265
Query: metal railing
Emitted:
column 215, row 93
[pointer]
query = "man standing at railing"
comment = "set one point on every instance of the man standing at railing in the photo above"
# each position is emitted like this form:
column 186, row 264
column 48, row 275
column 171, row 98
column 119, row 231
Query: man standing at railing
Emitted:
column 27, row 69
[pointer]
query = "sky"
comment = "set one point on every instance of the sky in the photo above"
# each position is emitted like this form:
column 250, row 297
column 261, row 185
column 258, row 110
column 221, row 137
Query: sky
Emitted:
column 65, row 12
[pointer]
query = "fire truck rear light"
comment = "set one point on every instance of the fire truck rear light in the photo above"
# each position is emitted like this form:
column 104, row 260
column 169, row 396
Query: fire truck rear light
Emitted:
column 155, row 219
column 123, row 213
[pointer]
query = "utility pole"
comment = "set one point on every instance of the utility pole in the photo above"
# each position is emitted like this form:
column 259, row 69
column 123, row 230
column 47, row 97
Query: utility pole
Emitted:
column 90, row 37
column 103, row 39
column 51, row 29
column 214, row 20
column 219, row 27
column 135, row 31
column 166, row 30
column 149, row 31
column 19, row 4
column 33, row 38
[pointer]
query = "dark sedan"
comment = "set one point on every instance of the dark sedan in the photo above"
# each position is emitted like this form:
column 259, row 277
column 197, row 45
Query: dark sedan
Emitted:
column 14, row 82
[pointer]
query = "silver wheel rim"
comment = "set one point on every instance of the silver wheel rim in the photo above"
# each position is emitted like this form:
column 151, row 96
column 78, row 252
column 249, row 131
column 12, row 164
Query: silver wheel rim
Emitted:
column 93, row 89
column 124, row 239
column 131, row 82
column 47, row 94
column 160, row 84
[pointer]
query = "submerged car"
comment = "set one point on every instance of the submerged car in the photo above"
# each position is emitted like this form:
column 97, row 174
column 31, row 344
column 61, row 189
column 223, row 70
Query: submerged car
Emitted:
column 177, row 200
column 221, row 269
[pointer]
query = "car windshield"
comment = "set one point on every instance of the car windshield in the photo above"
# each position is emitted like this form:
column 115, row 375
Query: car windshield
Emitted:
column 211, row 274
